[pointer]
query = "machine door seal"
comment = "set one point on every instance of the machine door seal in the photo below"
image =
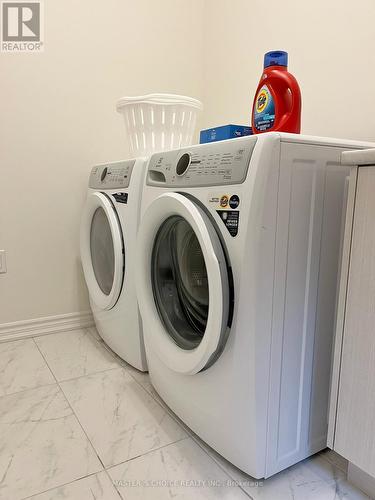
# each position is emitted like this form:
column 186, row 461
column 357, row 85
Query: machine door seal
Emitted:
column 102, row 250
column 183, row 283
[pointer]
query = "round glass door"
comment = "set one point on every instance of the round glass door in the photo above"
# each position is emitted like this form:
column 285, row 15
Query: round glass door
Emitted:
column 102, row 251
column 183, row 284
column 180, row 282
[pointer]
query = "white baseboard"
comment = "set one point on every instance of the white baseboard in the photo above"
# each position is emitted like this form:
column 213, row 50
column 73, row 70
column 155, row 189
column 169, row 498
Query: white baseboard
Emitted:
column 44, row 326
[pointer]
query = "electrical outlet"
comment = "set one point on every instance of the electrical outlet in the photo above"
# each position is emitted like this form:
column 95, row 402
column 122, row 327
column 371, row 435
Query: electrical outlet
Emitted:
column 3, row 262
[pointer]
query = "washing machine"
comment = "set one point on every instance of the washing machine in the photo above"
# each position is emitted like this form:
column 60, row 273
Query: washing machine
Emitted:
column 237, row 266
column 108, row 238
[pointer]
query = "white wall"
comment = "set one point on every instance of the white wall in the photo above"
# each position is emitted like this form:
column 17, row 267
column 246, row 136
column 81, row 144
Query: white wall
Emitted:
column 331, row 47
column 58, row 119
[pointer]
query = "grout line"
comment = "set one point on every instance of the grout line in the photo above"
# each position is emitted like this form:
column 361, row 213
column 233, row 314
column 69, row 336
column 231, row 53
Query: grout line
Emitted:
column 56, row 332
column 96, row 338
column 147, row 453
column 112, row 483
column 84, row 431
column 63, row 485
column 96, row 335
column 189, row 432
column 89, row 374
column 200, row 444
column 100, row 342
column 105, row 346
column 155, row 396
column 171, row 444
column 74, row 413
column 120, row 361
column 135, row 378
column 124, row 365
column 28, row 389
column 164, row 406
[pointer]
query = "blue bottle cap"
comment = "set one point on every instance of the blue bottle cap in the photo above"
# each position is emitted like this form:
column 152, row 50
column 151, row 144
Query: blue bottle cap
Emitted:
column 276, row 58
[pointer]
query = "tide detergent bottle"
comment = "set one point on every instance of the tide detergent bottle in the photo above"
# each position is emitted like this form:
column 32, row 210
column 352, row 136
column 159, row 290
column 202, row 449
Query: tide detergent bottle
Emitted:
column 277, row 102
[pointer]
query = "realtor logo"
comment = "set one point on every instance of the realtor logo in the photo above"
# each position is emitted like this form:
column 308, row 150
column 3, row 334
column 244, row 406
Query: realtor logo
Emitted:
column 21, row 26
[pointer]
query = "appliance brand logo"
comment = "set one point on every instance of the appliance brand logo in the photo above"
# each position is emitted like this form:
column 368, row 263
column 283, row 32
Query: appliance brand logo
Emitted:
column 22, row 26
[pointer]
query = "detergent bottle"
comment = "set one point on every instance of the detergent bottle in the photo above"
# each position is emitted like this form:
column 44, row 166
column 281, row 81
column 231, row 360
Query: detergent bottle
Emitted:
column 277, row 102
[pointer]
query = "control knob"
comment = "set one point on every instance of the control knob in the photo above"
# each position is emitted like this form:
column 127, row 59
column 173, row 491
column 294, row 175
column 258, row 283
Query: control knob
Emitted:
column 183, row 164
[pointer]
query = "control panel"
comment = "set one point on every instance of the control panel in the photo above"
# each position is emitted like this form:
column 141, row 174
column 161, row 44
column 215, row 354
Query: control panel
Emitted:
column 212, row 164
column 114, row 175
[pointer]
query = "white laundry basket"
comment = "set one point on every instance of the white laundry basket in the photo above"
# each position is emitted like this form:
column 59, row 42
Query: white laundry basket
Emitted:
column 157, row 122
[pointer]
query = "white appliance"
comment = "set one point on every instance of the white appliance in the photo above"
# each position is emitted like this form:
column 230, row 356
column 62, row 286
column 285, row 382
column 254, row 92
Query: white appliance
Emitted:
column 238, row 256
column 108, row 238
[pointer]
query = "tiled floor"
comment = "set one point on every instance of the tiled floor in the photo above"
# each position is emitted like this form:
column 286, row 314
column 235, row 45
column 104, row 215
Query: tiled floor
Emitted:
column 76, row 423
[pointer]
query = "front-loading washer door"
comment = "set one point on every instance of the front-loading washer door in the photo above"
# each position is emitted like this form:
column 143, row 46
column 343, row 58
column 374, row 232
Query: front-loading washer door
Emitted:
column 183, row 283
column 102, row 250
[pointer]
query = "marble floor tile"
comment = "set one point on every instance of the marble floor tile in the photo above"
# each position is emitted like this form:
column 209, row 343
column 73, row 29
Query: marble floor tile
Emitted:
column 44, row 449
column 312, row 479
column 164, row 405
column 22, row 367
column 181, row 471
column 95, row 487
column 346, row 491
column 120, row 418
column 74, row 354
column 94, row 332
column 142, row 378
column 42, row 444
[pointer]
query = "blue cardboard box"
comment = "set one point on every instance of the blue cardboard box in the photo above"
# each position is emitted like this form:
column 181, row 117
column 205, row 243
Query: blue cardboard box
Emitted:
column 224, row 132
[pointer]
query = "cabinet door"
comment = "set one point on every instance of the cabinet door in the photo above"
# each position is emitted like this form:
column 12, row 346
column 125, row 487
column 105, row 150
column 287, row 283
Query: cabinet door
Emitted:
column 355, row 425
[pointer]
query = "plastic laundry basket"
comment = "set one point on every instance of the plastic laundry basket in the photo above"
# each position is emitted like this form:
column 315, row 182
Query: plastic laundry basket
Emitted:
column 157, row 122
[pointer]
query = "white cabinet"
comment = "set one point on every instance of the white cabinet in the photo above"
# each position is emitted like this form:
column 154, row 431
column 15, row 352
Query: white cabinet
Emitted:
column 352, row 406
